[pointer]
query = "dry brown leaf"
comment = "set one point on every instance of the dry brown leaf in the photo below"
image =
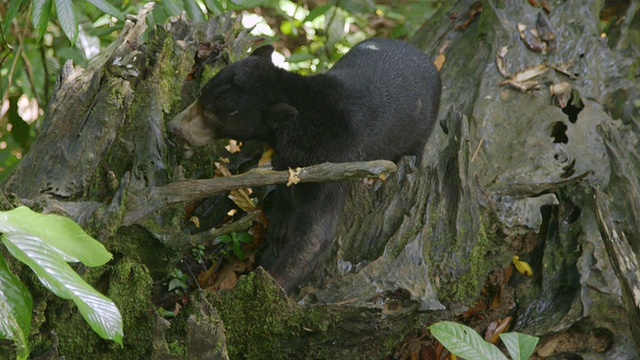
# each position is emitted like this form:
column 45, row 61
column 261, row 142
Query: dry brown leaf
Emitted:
column 496, row 300
column 439, row 61
column 223, row 169
column 195, row 221
column 501, row 328
column 266, row 156
column 500, row 61
column 561, row 92
column 241, row 198
column 234, row 146
column 491, row 329
column 522, row 86
column 530, row 73
column 227, row 279
column 294, row 177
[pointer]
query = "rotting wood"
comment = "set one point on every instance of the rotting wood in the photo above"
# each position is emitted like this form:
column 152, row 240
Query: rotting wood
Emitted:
column 623, row 261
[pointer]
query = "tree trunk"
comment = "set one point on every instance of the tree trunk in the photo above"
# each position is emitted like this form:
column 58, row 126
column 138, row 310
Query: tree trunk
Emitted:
column 509, row 173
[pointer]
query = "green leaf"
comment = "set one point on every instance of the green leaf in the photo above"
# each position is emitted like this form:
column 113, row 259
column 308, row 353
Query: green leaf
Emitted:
column 520, row 346
column 11, row 13
column 223, row 238
column 300, row 57
column 235, row 246
column 171, row 8
column 16, row 307
column 244, row 237
column 214, row 6
column 317, row 11
column 40, row 16
column 107, row 8
column 68, row 19
column 464, row 342
column 60, row 233
column 193, row 10
column 56, row 275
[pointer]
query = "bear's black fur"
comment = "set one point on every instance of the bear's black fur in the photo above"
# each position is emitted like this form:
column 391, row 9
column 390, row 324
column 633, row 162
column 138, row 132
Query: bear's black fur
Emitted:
column 380, row 101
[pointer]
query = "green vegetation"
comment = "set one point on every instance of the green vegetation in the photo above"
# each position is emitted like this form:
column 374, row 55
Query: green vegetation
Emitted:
column 46, row 243
column 464, row 342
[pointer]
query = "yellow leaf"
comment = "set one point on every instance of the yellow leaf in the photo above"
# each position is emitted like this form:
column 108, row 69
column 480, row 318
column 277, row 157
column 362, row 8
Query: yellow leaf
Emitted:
column 522, row 266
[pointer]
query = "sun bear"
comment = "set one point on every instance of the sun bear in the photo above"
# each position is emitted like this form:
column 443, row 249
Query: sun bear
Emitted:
column 379, row 101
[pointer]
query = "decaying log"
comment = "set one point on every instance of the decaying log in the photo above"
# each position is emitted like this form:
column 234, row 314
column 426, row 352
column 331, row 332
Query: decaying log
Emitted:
column 624, row 262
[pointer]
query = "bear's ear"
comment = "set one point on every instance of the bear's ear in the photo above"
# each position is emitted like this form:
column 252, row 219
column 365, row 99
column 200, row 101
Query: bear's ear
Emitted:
column 264, row 51
column 279, row 113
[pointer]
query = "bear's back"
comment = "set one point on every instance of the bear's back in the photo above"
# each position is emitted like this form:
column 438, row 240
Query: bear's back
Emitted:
column 392, row 93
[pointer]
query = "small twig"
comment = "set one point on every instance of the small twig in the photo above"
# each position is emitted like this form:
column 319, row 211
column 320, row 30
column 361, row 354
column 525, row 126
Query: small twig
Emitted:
column 475, row 153
column 28, row 67
column 43, row 55
column 5, row 96
column 240, row 225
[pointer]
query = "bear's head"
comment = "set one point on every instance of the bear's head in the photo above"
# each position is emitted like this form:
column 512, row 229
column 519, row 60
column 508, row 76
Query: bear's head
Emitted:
column 243, row 101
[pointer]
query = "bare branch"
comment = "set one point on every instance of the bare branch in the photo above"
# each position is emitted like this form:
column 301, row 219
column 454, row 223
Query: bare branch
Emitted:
column 155, row 198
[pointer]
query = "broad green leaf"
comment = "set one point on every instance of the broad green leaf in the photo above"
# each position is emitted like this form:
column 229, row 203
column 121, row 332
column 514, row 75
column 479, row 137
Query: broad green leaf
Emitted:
column 300, row 57
column 464, row 342
column 214, row 6
column 171, row 8
column 317, row 11
column 56, row 275
column 520, row 346
column 107, row 8
column 16, row 306
column 68, row 19
column 194, row 11
column 62, row 234
column 244, row 237
column 40, row 10
column 14, row 6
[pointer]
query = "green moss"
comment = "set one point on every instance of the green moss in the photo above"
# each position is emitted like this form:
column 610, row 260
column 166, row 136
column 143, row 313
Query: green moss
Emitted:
column 176, row 348
column 130, row 289
column 467, row 285
column 260, row 323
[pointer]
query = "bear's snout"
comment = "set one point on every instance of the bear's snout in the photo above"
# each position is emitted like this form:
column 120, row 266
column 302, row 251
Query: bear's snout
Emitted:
column 190, row 125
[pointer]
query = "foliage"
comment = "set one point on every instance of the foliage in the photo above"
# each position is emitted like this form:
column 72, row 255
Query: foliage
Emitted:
column 46, row 243
column 464, row 342
column 178, row 283
column 233, row 242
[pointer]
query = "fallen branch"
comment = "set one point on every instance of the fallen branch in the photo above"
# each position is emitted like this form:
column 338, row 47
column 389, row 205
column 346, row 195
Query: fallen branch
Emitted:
column 141, row 204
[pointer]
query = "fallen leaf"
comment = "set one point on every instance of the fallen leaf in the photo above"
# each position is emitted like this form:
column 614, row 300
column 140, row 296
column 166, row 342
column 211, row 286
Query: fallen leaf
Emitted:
column 523, row 267
column 501, row 328
column 266, row 156
column 491, row 329
column 530, row 73
column 500, row 61
column 439, row 61
column 234, row 146
column 195, row 221
column 561, row 93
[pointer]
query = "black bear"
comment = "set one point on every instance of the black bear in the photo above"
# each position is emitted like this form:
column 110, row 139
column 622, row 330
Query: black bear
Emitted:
column 379, row 101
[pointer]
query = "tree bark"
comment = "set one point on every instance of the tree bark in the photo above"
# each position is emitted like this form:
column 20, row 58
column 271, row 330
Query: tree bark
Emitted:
column 510, row 173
